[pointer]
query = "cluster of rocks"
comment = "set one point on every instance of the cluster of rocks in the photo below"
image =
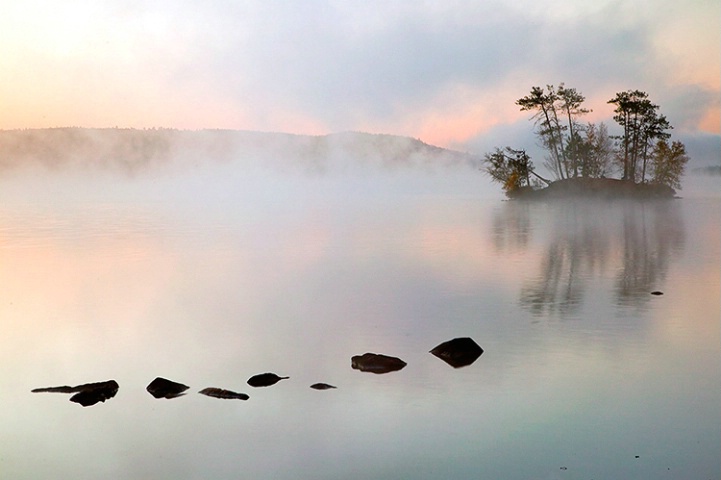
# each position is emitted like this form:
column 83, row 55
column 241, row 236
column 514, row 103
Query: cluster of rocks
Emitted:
column 457, row 353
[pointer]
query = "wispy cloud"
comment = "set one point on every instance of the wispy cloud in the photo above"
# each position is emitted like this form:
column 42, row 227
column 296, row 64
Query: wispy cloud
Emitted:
column 443, row 71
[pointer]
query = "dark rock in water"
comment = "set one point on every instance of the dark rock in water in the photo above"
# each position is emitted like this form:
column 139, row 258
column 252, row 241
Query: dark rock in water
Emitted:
column 222, row 393
column 656, row 293
column 459, row 352
column 321, row 386
column 87, row 394
column 265, row 380
column 376, row 363
column 93, row 393
column 162, row 388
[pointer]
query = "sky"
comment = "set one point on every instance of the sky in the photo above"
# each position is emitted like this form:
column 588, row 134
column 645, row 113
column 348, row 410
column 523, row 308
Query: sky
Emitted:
column 446, row 71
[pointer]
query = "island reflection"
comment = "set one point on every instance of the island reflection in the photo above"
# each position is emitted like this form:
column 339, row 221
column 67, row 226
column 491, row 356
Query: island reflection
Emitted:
column 630, row 243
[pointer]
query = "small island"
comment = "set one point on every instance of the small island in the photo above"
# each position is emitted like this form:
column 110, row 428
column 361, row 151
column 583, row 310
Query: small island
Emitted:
column 583, row 159
column 598, row 188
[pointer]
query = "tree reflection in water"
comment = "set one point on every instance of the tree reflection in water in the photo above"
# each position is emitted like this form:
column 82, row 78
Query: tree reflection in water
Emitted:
column 512, row 226
column 630, row 243
column 652, row 237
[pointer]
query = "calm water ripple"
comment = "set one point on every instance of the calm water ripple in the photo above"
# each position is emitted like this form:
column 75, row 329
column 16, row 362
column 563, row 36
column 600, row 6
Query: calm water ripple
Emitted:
column 584, row 374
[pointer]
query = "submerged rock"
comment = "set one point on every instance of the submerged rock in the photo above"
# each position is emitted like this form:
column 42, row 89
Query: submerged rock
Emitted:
column 87, row 394
column 163, row 388
column 222, row 393
column 376, row 363
column 459, row 352
column 265, row 380
column 322, row 386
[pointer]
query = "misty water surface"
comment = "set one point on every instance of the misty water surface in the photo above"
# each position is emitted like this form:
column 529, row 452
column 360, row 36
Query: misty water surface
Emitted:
column 211, row 273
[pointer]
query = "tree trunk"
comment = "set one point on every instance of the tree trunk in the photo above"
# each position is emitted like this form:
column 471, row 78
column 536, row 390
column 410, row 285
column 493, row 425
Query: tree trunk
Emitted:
column 554, row 144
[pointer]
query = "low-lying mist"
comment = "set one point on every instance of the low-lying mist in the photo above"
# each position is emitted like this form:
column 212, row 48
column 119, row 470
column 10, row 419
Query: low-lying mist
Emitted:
column 132, row 151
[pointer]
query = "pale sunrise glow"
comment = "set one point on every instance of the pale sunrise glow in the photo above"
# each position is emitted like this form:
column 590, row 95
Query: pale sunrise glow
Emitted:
column 447, row 73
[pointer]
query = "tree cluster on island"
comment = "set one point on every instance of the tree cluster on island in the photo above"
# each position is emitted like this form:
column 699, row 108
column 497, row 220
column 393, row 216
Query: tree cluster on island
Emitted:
column 583, row 158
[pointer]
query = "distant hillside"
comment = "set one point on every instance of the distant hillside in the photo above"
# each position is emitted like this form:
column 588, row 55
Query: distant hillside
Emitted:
column 134, row 150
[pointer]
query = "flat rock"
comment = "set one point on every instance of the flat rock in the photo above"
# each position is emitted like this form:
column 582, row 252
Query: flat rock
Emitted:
column 321, row 386
column 163, row 388
column 222, row 393
column 86, row 394
column 265, row 380
column 376, row 363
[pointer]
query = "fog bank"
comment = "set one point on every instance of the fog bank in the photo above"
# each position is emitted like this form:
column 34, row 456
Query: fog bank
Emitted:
column 132, row 151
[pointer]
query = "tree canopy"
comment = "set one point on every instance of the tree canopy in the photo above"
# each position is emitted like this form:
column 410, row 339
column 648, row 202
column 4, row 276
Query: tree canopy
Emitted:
column 511, row 168
column 557, row 127
column 668, row 163
column 642, row 127
column 639, row 154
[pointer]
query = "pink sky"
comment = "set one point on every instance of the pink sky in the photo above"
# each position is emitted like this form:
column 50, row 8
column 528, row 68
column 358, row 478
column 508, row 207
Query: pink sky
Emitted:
column 443, row 72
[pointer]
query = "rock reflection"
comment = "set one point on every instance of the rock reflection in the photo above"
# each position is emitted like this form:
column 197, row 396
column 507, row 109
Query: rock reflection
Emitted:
column 87, row 394
column 459, row 352
column 376, row 363
column 163, row 388
column 585, row 240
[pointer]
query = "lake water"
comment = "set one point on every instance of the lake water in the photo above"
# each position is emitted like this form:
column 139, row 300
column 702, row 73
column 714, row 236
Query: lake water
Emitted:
column 208, row 274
